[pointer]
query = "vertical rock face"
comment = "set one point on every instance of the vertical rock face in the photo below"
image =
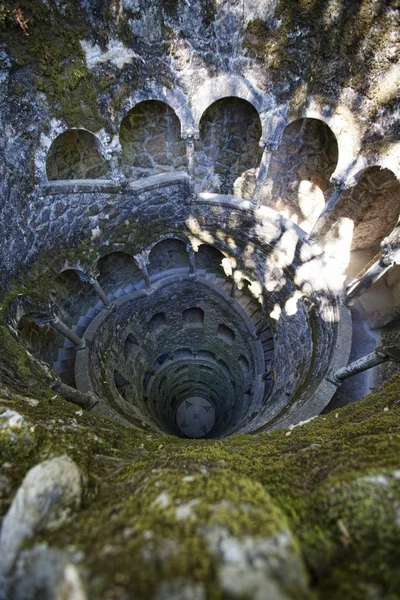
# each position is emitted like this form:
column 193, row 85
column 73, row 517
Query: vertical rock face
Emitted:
column 187, row 190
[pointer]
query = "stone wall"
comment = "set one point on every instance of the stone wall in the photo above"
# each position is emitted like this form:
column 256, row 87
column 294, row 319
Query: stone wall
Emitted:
column 151, row 142
column 76, row 154
column 298, row 182
column 228, row 153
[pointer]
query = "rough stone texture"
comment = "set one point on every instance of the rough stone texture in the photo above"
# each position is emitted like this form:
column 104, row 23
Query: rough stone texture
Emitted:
column 299, row 172
column 76, row 154
column 153, row 498
column 49, row 494
column 48, row 572
column 315, row 502
column 228, row 153
column 151, row 142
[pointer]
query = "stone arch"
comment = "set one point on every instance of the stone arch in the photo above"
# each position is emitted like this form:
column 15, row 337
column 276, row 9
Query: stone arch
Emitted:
column 228, row 151
column 372, row 206
column 226, row 86
column 342, row 122
column 72, row 293
column 117, row 270
column 168, row 253
column 76, row 154
column 299, row 176
column 151, row 141
column 176, row 236
column 364, row 215
column 174, row 98
column 209, row 258
column 41, row 342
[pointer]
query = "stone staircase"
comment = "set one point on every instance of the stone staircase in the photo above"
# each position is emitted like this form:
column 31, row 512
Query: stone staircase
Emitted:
column 65, row 363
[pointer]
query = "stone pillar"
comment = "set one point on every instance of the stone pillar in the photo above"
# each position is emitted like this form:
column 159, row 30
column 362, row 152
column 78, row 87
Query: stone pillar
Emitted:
column 101, row 293
column 142, row 260
column 62, row 328
column 192, row 260
column 233, row 289
column 96, row 287
column 388, row 351
column 58, row 325
column 190, row 138
column 390, row 257
column 116, row 175
column 269, row 147
column 339, row 186
column 358, row 366
column 86, row 400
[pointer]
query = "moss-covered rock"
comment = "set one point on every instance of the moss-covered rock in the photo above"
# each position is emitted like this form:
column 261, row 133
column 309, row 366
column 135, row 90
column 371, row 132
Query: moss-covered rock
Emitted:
column 181, row 512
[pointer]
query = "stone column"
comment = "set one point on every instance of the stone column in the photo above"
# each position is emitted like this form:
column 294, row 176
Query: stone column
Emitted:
column 58, row 325
column 96, row 287
column 382, row 354
column 190, row 138
column 339, row 186
column 86, row 400
column 358, row 366
column 114, row 157
column 101, row 293
column 390, row 257
column 192, row 260
column 142, row 260
column 62, row 328
column 233, row 289
column 269, row 147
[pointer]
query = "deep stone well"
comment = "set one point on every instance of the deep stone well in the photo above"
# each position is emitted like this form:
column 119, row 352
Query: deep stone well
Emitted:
column 199, row 391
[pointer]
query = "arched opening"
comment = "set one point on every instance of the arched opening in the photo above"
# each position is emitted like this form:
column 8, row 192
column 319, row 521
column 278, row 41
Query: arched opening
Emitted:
column 42, row 341
column 209, row 259
column 226, row 334
column 76, row 154
column 150, row 137
column 118, row 271
column 373, row 205
column 131, row 346
column 192, row 317
column 168, row 254
column 72, row 295
column 228, row 153
column 158, row 323
column 299, row 173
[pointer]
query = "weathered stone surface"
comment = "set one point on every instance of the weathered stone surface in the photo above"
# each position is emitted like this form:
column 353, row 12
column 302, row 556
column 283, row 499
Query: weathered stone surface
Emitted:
column 49, row 494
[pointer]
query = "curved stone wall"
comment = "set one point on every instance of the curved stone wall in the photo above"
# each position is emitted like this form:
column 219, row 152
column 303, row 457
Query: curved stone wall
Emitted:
column 192, row 195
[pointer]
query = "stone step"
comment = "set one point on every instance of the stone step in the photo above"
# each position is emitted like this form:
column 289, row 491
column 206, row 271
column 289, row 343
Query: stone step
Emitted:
column 119, row 293
column 129, row 288
column 252, row 307
column 268, row 345
column 78, row 329
column 244, row 301
column 68, row 343
column 220, row 282
column 63, row 366
column 256, row 316
column 266, row 335
column 92, row 312
column 84, row 321
column 65, row 353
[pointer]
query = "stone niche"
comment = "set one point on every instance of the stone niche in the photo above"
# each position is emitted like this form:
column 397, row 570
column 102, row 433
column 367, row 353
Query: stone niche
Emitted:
column 150, row 137
column 228, row 152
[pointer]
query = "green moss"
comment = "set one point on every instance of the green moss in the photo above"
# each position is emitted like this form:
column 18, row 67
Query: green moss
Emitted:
column 53, row 53
column 319, row 480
